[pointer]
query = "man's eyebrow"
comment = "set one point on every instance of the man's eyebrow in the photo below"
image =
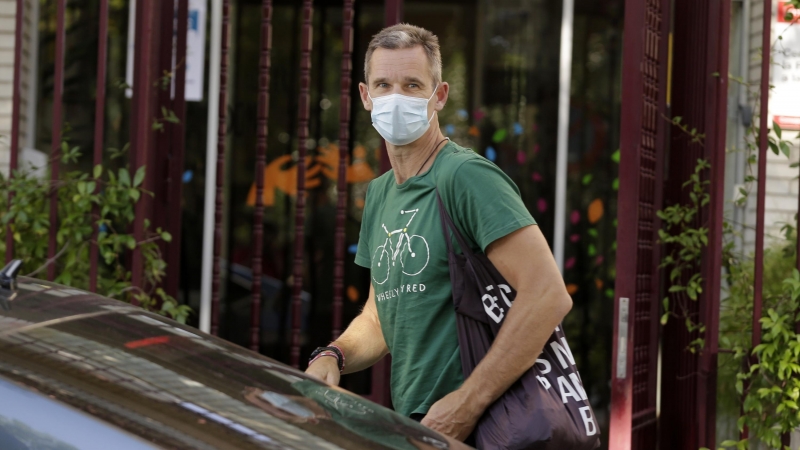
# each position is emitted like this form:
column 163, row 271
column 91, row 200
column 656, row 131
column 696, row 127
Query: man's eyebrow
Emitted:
column 414, row 80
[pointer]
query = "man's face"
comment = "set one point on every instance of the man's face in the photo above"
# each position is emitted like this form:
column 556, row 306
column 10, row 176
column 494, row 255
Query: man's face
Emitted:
column 402, row 71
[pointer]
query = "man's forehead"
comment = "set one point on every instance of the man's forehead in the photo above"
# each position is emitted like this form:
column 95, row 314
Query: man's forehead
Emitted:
column 408, row 64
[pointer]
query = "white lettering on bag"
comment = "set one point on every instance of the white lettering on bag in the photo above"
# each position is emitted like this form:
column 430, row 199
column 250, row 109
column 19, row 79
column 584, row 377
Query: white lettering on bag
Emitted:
column 493, row 310
column 558, row 350
column 567, row 390
column 503, row 291
column 546, row 365
column 588, row 420
column 578, row 386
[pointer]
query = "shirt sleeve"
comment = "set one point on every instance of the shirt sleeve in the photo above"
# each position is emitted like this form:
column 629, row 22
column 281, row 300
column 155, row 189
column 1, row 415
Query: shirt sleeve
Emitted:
column 488, row 205
column 363, row 257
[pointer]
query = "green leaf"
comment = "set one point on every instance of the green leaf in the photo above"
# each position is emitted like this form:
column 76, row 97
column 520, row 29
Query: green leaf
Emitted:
column 134, row 194
column 591, row 250
column 664, row 318
column 774, row 147
column 586, row 179
column 124, row 177
column 98, row 171
column 784, row 145
column 139, row 177
column 615, row 156
column 777, row 129
column 615, row 184
column 499, row 136
column 166, row 236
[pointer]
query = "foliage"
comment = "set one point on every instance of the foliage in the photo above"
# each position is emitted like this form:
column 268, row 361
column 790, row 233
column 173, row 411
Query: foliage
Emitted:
column 763, row 383
column 106, row 199
column 755, row 381
column 685, row 243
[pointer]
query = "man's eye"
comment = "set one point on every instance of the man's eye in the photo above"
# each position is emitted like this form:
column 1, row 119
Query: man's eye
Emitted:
column 412, row 85
column 383, row 85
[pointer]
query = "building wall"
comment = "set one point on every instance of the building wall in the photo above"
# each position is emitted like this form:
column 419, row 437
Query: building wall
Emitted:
column 782, row 180
column 8, row 9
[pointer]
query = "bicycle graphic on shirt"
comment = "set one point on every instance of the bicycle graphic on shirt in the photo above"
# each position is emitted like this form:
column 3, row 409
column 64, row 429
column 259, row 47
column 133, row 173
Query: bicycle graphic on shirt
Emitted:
column 411, row 251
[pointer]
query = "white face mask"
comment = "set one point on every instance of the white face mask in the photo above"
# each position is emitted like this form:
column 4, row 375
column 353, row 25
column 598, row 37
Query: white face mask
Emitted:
column 401, row 119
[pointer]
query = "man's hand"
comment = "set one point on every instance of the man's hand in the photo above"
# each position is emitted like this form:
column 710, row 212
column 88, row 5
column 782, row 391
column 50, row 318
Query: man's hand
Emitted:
column 326, row 370
column 453, row 415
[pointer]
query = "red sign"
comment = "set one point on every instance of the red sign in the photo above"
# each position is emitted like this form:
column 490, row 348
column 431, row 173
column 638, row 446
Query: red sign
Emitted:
column 785, row 7
column 788, row 122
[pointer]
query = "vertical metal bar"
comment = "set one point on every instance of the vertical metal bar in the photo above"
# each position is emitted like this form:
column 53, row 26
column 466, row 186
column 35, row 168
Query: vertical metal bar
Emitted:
column 206, row 274
column 393, row 14
column 220, row 179
column 176, row 154
column 264, row 64
column 620, row 427
column 55, row 152
column 762, row 174
column 300, row 212
column 716, row 122
column 145, row 64
column 14, row 149
column 344, row 150
column 99, row 123
column 565, row 81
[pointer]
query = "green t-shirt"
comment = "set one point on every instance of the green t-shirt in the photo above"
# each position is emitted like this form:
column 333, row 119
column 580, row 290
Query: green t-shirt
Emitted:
column 402, row 243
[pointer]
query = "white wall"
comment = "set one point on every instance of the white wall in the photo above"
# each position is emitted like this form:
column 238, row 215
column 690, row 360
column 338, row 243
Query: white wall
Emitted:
column 782, row 180
column 7, row 28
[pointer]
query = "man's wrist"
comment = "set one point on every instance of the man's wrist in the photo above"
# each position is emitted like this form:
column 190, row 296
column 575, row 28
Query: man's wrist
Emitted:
column 478, row 396
column 331, row 350
column 323, row 355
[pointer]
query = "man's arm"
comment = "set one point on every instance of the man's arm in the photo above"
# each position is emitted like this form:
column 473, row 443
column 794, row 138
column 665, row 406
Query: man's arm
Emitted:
column 525, row 261
column 362, row 344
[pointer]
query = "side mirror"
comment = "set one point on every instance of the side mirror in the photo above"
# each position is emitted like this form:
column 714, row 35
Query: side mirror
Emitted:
column 8, row 276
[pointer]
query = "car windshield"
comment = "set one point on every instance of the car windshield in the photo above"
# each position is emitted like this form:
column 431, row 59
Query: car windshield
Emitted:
column 180, row 388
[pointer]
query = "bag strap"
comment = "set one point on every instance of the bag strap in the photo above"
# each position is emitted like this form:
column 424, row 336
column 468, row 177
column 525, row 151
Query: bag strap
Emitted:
column 448, row 225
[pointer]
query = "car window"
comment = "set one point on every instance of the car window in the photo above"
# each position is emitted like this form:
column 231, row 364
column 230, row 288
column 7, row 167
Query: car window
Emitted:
column 31, row 421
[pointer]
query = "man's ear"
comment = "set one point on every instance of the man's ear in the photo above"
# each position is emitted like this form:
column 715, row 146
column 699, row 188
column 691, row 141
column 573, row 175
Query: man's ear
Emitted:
column 364, row 91
column 442, row 94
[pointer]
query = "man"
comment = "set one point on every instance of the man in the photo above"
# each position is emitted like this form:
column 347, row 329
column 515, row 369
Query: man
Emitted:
column 409, row 312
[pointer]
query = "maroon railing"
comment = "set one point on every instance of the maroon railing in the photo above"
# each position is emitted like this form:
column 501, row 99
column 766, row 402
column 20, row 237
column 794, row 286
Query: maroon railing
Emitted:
column 763, row 131
column 55, row 153
column 99, row 124
column 261, row 157
column 341, row 185
column 15, row 113
column 169, row 207
column 220, row 180
column 306, row 42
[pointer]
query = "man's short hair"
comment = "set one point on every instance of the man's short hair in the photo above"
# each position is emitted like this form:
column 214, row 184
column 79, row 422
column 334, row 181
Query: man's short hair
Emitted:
column 402, row 36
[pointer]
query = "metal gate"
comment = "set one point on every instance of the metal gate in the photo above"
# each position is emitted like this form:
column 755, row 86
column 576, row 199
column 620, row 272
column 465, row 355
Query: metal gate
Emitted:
column 634, row 364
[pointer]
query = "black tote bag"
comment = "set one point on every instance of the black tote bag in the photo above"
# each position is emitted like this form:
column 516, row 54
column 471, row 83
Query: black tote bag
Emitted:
column 546, row 408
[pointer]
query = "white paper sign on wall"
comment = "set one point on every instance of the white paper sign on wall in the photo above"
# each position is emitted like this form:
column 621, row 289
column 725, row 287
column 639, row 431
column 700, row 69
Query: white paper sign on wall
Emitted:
column 195, row 49
column 784, row 104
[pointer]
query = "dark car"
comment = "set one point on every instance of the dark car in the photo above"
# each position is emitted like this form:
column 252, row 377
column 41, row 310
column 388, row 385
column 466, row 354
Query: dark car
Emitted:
column 80, row 371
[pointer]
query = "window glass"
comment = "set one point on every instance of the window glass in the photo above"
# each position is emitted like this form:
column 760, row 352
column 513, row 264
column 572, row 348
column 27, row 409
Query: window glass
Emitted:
column 30, row 421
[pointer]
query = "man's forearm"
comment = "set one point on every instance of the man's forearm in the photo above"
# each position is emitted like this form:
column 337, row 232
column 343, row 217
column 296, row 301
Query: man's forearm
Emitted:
column 518, row 344
column 362, row 342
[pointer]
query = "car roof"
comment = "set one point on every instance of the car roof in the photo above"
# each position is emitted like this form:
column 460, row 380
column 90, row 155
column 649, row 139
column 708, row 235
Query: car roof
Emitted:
column 178, row 387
